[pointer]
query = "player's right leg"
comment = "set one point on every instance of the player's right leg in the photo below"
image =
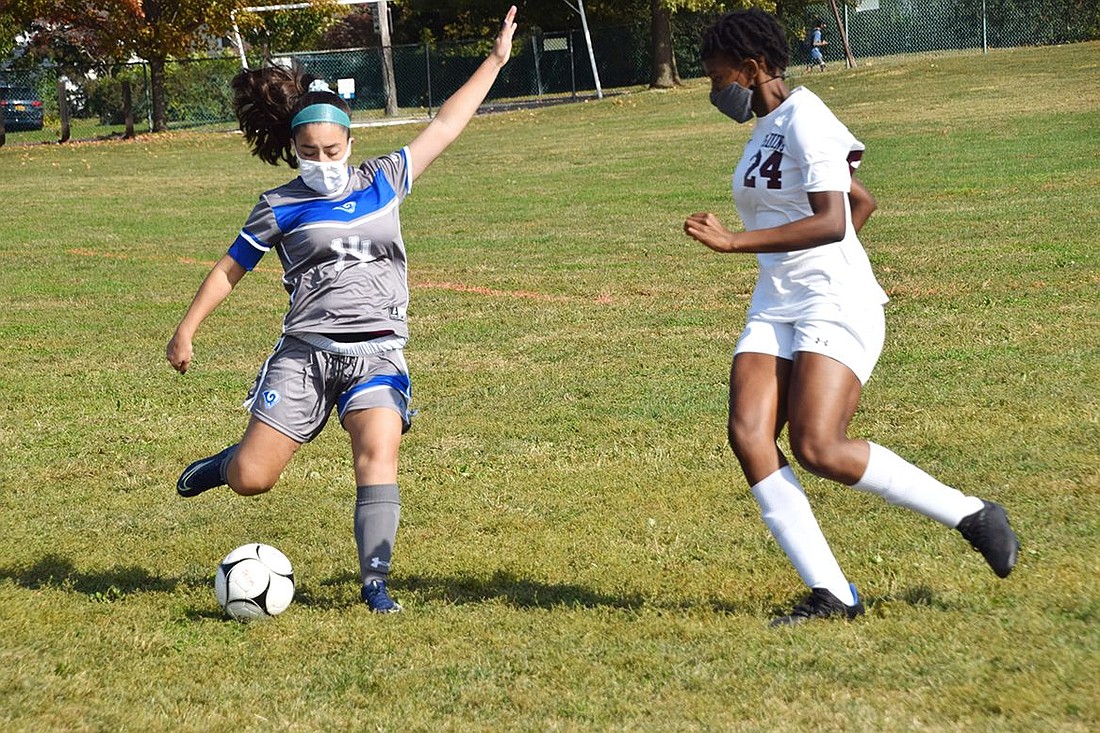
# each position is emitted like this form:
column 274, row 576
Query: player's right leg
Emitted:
column 287, row 393
column 249, row 467
column 260, row 459
column 758, row 388
column 205, row 474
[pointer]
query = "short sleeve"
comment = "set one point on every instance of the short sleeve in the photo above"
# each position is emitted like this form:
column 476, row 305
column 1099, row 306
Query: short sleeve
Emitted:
column 397, row 167
column 826, row 151
column 259, row 234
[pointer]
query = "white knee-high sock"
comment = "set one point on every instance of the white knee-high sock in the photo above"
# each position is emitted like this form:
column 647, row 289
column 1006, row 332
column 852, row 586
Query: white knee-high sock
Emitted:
column 787, row 513
column 900, row 482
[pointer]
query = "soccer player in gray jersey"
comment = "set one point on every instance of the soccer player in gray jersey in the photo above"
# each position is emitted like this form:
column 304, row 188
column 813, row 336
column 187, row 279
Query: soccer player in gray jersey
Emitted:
column 337, row 233
column 815, row 324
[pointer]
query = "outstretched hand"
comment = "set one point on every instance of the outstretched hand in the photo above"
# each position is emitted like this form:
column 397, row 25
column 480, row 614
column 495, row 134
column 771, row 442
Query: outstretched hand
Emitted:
column 502, row 47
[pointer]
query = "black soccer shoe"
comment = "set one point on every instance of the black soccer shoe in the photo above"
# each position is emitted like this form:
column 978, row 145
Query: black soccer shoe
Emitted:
column 820, row 604
column 987, row 530
column 205, row 473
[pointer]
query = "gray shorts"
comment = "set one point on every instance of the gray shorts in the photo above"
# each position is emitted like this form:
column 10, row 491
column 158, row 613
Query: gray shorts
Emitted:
column 299, row 385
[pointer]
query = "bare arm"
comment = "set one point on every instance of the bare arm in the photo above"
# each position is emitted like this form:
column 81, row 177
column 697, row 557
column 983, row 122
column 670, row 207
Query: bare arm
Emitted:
column 461, row 106
column 824, row 226
column 863, row 204
column 214, row 289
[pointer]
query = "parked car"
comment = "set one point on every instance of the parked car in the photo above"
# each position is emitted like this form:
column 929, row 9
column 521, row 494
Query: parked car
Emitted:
column 22, row 108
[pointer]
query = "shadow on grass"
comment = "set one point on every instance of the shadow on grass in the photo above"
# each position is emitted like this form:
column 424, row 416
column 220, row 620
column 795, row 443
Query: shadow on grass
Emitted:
column 57, row 571
column 920, row 596
column 506, row 587
column 516, row 591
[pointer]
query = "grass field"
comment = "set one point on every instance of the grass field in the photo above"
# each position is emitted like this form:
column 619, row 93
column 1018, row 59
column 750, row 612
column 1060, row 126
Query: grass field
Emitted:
column 578, row 550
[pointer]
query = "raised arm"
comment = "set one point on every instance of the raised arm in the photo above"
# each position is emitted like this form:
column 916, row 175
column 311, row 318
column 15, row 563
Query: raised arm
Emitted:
column 217, row 286
column 461, row 106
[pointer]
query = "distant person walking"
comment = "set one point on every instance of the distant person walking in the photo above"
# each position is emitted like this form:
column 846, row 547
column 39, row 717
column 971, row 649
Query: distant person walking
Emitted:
column 815, row 323
column 815, row 41
column 337, row 232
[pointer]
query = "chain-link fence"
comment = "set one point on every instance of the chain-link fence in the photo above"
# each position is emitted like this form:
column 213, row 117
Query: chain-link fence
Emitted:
column 117, row 103
column 877, row 28
column 545, row 67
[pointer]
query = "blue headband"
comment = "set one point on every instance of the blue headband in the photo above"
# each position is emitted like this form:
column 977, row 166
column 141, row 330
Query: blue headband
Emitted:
column 322, row 112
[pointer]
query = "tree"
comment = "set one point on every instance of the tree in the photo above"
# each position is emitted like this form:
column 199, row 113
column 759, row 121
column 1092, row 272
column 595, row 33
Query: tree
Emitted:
column 108, row 32
column 354, row 29
column 298, row 29
column 9, row 30
column 157, row 30
column 661, row 13
column 453, row 20
column 664, row 74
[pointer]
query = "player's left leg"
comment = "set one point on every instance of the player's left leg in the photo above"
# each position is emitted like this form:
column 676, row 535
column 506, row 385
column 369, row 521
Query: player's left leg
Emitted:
column 823, row 398
column 374, row 409
column 375, row 440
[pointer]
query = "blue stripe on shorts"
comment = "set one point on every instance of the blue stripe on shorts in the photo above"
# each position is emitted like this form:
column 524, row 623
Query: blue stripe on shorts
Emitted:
column 398, row 382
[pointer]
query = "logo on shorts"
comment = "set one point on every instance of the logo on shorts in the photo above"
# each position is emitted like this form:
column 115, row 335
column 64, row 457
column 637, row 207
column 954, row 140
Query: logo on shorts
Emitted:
column 271, row 398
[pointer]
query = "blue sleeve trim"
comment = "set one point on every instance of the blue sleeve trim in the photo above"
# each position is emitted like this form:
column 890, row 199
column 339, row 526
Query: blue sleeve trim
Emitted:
column 246, row 251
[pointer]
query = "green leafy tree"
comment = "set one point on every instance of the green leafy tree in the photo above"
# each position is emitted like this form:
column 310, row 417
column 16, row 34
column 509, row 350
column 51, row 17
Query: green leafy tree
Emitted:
column 9, row 30
column 299, row 29
column 111, row 31
column 792, row 14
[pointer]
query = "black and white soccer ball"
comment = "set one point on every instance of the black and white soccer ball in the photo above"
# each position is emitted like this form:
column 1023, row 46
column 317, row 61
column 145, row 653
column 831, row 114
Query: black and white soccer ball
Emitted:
column 255, row 581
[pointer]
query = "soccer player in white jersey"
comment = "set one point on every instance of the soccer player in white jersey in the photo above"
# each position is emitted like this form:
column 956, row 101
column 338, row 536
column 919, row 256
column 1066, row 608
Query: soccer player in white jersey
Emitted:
column 336, row 230
column 815, row 326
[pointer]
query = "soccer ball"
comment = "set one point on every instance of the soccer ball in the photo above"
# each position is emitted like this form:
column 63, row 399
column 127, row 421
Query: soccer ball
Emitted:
column 255, row 581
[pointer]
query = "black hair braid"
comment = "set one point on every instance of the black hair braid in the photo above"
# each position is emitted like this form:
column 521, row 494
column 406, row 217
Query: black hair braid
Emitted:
column 265, row 100
column 747, row 34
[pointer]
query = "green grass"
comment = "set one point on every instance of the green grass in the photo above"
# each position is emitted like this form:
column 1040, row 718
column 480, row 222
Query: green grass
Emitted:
column 578, row 550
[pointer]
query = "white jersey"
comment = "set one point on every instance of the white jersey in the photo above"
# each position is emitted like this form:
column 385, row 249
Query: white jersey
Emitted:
column 797, row 149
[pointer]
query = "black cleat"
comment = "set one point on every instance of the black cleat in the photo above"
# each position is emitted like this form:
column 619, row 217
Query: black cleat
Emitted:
column 988, row 532
column 820, row 604
column 205, row 473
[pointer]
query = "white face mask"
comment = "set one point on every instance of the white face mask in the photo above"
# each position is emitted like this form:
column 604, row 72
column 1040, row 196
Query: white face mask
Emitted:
column 326, row 178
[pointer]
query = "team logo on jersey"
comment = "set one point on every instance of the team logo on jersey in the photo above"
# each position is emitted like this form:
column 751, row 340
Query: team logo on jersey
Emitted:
column 271, row 398
column 347, row 207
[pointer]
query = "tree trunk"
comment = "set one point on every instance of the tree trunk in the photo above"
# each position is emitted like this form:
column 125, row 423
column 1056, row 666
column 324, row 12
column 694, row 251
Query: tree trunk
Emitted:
column 160, row 103
column 664, row 65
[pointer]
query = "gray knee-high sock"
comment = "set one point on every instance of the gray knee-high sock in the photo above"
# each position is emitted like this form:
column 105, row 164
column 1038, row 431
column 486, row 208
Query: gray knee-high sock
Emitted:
column 377, row 513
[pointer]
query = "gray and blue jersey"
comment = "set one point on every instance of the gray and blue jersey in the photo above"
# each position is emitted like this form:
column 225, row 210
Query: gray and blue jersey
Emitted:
column 343, row 258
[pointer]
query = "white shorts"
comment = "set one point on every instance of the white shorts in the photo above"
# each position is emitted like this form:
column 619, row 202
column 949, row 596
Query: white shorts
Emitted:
column 853, row 337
